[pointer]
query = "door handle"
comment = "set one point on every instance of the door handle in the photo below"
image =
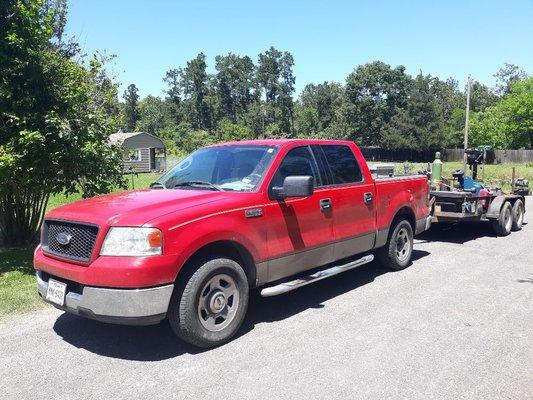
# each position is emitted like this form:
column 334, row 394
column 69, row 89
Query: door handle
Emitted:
column 367, row 197
column 325, row 204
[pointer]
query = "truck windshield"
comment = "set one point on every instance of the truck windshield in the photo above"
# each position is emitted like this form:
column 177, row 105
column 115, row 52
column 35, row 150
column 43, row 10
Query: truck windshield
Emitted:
column 232, row 168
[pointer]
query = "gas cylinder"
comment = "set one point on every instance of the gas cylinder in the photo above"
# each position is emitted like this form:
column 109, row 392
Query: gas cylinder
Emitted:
column 436, row 171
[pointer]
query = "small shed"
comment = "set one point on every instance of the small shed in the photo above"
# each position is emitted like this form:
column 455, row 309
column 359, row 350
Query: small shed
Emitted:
column 143, row 152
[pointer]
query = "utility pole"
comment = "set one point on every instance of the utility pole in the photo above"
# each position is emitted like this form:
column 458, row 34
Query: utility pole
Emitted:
column 465, row 144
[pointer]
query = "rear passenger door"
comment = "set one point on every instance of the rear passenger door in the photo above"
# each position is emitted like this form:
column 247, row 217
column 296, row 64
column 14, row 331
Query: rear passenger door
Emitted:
column 352, row 201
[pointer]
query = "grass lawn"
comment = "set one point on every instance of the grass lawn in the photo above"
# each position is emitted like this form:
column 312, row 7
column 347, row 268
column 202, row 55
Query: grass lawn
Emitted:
column 18, row 291
column 493, row 175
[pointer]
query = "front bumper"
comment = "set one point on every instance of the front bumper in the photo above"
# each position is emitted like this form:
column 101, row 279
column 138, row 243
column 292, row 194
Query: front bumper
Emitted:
column 121, row 306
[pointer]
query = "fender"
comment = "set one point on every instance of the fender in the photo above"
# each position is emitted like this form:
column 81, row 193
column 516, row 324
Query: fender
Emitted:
column 390, row 208
column 496, row 205
column 231, row 236
column 400, row 200
column 189, row 239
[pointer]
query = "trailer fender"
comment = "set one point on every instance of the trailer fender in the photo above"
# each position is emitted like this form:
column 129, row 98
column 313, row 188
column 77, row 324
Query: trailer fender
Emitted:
column 496, row 205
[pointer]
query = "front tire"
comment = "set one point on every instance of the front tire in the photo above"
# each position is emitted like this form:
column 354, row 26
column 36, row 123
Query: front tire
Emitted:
column 209, row 305
column 518, row 215
column 397, row 252
column 503, row 224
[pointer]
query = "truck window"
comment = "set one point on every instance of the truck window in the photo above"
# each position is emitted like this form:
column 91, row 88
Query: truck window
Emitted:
column 232, row 168
column 298, row 161
column 342, row 163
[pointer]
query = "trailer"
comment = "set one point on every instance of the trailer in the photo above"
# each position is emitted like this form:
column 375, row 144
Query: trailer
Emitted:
column 506, row 211
column 463, row 198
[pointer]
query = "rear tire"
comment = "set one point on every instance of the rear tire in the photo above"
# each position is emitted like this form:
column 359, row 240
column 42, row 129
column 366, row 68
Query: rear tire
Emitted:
column 397, row 252
column 209, row 304
column 518, row 215
column 503, row 224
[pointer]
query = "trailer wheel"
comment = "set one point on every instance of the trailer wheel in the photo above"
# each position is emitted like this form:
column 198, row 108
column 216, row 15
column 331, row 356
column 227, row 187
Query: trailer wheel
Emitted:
column 503, row 224
column 397, row 252
column 518, row 215
column 208, row 308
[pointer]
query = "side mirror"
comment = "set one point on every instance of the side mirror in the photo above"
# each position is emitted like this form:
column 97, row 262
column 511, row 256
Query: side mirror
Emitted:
column 295, row 186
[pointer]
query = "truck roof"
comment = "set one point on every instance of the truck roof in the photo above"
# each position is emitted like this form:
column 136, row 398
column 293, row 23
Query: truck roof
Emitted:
column 282, row 142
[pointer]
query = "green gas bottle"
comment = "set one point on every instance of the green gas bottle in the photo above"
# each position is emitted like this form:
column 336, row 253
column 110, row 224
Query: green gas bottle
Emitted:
column 436, row 171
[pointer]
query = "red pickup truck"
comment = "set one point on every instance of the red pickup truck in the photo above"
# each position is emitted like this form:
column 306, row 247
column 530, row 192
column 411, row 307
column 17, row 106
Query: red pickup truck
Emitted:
column 276, row 214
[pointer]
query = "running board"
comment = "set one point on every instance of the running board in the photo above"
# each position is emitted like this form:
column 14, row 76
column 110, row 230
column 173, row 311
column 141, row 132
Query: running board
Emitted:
column 317, row 276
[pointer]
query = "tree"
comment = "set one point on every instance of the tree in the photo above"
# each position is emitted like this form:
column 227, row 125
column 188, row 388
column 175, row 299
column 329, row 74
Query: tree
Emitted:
column 419, row 124
column 54, row 123
column 481, row 97
column 172, row 79
column 307, row 121
column 506, row 76
column 154, row 114
column 451, row 103
column 131, row 107
column 508, row 124
column 376, row 91
column 276, row 78
column 194, row 83
column 228, row 131
column 325, row 100
column 234, row 85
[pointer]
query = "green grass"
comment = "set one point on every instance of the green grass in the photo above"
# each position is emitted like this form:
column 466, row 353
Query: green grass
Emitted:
column 494, row 175
column 18, row 290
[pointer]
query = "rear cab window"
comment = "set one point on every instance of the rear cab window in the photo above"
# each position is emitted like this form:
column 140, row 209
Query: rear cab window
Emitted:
column 343, row 166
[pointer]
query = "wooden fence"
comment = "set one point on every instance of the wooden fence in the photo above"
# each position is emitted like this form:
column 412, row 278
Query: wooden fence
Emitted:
column 379, row 154
column 500, row 156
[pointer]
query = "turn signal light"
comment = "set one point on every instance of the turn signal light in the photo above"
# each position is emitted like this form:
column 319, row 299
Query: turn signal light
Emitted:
column 155, row 239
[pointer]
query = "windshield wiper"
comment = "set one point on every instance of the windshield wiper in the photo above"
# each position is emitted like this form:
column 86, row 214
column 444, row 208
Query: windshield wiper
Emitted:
column 198, row 183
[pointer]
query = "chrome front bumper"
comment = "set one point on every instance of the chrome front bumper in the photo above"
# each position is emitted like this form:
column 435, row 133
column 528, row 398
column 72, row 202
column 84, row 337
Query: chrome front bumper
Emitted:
column 121, row 306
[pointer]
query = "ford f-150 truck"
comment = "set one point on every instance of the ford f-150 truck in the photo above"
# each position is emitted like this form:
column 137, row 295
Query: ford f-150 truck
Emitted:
column 275, row 214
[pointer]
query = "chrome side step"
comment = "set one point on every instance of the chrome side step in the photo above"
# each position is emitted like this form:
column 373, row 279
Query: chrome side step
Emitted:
column 317, row 276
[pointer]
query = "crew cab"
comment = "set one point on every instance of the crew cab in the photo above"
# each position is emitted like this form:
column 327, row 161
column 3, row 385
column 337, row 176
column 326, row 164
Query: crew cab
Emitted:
column 268, row 214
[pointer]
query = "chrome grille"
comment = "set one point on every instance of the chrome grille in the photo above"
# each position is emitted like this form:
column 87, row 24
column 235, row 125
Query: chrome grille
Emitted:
column 71, row 240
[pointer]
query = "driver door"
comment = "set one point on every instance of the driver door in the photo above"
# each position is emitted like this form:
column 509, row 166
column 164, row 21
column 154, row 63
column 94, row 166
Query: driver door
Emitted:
column 299, row 230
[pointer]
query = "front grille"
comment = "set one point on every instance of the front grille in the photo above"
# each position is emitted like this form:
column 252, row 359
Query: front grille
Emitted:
column 78, row 239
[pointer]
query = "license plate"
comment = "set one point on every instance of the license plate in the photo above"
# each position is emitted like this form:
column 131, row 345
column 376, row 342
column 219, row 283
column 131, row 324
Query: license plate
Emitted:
column 56, row 292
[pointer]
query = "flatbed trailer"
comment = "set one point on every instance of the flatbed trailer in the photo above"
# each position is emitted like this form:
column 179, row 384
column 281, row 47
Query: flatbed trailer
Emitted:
column 506, row 211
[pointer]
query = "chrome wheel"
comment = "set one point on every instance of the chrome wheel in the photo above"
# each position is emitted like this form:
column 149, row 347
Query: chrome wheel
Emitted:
column 508, row 220
column 519, row 216
column 403, row 245
column 218, row 303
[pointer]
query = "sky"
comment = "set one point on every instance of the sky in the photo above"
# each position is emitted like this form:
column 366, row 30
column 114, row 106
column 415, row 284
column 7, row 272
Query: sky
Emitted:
column 327, row 38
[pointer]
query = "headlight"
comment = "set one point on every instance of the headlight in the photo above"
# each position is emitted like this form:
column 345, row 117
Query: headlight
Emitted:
column 132, row 242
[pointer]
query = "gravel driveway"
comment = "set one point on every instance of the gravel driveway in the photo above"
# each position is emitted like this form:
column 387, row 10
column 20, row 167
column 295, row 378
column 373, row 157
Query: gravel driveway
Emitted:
column 456, row 324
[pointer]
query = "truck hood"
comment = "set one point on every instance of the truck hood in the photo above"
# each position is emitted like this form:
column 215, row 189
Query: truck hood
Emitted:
column 134, row 208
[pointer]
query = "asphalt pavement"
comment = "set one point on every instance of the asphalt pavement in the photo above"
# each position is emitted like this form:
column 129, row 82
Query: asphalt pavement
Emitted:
column 457, row 324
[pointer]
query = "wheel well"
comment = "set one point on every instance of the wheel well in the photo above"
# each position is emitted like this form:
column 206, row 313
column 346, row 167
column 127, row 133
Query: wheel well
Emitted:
column 405, row 213
column 223, row 248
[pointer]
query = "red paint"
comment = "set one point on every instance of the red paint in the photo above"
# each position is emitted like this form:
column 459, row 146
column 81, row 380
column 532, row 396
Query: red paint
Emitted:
column 191, row 219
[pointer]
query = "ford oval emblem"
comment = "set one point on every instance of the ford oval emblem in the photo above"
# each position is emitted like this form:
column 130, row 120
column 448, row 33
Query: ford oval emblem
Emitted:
column 63, row 238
